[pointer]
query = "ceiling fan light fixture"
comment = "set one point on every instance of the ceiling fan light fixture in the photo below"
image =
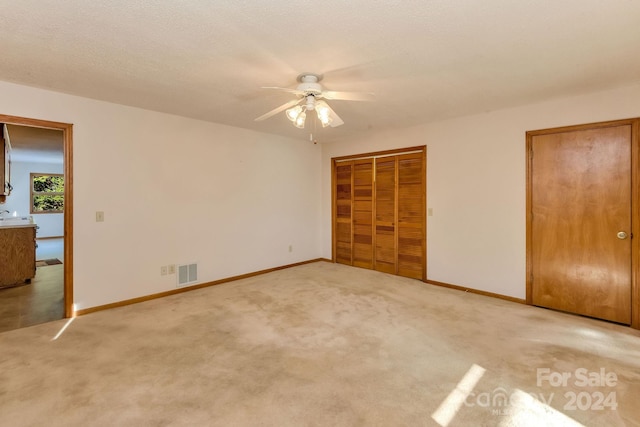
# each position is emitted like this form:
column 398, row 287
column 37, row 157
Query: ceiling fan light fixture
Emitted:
column 310, row 95
column 326, row 121
column 293, row 113
column 299, row 122
column 324, row 113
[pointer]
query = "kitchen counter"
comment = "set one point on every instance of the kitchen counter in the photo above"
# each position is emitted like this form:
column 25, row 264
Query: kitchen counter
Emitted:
column 18, row 222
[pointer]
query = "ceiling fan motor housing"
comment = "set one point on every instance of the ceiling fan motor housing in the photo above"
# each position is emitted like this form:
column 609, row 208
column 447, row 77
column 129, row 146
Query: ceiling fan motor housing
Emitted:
column 309, row 84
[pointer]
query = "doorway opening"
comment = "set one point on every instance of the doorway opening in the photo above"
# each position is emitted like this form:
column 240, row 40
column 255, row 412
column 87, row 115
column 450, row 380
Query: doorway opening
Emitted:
column 55, row 238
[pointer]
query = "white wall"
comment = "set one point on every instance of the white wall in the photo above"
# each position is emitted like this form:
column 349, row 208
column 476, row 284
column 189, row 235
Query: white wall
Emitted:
column 176, row 190
column 179, row 190
column 476, row 184
column 20, row 199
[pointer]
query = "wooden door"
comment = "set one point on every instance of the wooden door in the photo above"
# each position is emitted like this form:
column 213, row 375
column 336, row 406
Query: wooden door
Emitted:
column 379, row 204
column 411, row 216
column 580, row 204
column 363, row 213
column 342, row 222
column 385, row 215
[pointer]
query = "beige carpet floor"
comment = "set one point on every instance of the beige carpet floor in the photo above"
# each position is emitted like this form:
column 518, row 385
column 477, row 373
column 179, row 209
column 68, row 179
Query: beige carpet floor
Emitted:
column 321, row 345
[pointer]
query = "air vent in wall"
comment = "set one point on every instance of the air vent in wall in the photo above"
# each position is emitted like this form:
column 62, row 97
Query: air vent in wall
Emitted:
column 187, row 274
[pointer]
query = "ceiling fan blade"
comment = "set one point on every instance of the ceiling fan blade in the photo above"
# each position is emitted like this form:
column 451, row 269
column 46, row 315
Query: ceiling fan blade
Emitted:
column 348, row 96
column 285, row 89
column 278, row 109
column 337, row 121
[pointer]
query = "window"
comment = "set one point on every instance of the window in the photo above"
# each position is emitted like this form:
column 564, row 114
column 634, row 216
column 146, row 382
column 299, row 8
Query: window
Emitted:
column 47, row 193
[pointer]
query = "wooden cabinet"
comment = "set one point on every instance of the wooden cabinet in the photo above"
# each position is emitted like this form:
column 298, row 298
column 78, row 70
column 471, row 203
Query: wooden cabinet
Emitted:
column 17, row 255
column 5, row 164
column 379, row 202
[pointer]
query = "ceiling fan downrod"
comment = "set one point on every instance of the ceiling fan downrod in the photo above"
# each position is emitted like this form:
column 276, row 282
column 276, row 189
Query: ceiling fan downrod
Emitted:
column 310, row 102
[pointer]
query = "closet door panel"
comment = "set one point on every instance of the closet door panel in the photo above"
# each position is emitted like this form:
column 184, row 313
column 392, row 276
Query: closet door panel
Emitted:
column 363, row 213
column 344, row 194
column 379, row 208
column 411, row 207
column 385, row 215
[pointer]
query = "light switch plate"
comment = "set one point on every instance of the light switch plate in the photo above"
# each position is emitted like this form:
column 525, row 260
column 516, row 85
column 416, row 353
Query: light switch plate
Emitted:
column 99, row 216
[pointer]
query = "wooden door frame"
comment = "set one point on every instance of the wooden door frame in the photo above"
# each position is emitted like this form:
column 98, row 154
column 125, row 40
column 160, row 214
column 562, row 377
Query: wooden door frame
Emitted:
column 375, row 154
column 635, row 206
column 67, row 135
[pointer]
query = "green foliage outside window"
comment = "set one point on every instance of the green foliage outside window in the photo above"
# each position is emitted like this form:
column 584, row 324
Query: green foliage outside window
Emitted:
column 47, row 193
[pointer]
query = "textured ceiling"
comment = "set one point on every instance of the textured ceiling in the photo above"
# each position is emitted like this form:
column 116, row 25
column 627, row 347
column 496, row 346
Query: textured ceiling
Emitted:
column 425, row 60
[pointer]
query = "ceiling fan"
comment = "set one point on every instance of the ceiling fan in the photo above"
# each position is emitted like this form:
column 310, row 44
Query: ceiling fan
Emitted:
column 311, row 96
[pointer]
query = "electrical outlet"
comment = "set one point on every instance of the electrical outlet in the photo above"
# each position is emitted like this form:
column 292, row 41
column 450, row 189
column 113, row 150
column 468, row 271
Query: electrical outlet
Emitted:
column 172, row 269
column 290, row 248
column 99, row 216
column 163, row 270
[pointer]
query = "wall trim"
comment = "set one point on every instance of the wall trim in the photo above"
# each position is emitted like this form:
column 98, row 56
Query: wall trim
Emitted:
column 190, row 288
column 49, row 237
column 476, row 291
column 269, row 270
column 383, row 153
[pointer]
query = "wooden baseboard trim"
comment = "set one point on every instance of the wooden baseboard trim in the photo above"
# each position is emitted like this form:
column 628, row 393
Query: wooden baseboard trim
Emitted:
column 476, row 291
column 189, row 288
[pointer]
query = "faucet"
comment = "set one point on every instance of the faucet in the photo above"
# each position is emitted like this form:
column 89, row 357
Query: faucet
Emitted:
column 3, row 212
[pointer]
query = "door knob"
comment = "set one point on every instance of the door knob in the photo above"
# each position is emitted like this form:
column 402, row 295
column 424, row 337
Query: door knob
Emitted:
column 622, row 235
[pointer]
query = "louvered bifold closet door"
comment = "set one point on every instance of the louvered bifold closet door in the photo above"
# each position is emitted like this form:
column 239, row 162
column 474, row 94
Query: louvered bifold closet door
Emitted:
column 379, row 205
column 385, row 215
column 363, row 213
column 343, row 214
column 411, row 216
